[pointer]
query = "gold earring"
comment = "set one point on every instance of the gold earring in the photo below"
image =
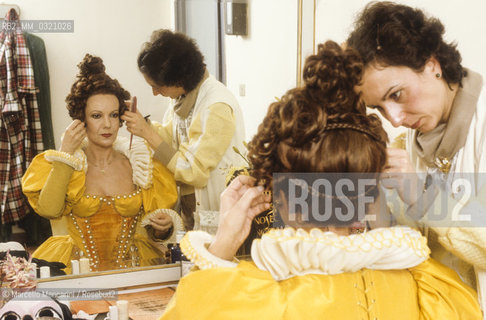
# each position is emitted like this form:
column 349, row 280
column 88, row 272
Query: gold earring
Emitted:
column 437, row 75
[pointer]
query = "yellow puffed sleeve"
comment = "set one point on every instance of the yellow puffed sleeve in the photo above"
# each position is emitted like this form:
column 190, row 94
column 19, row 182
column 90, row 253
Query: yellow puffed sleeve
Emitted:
column 163, row 192
column 44, row 180
column 442, row 294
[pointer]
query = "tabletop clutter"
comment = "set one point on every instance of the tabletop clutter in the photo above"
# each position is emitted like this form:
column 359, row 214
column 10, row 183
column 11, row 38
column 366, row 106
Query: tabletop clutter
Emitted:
column 20, row 296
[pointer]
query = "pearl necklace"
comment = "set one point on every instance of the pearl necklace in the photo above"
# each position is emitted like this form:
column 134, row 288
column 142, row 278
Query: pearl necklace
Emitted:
column 103, row 170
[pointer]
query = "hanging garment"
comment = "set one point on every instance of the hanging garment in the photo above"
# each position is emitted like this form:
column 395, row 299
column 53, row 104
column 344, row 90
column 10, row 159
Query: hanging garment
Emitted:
column 38, row 56
column 20, row 128
column 38, row 228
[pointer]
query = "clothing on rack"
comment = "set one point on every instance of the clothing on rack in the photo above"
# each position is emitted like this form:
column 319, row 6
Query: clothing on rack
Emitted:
column 20, row 127
column 38, row 56
column 38, row 228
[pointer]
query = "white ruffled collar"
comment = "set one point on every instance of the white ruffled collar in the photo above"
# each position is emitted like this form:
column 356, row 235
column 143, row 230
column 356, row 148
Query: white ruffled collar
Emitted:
column 140, row 157
column 286, row 253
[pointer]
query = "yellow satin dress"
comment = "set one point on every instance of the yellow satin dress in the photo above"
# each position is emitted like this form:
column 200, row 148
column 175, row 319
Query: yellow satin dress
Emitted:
column 322, row 276
column 427, row 291
column 105, row 229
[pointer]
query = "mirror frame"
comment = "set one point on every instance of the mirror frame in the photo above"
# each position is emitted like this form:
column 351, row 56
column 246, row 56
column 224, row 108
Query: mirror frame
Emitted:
column 116, row 279
column 306, row 41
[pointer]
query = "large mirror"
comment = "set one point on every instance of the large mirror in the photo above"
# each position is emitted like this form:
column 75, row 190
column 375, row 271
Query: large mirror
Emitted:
column 257, row 67
column 112, row 30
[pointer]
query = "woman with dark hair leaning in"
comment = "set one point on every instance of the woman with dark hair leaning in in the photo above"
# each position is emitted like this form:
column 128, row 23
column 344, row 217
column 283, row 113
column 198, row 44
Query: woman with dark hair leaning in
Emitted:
column 102, row 189
column 311, row 270
column 201, row 127
column 416, row 80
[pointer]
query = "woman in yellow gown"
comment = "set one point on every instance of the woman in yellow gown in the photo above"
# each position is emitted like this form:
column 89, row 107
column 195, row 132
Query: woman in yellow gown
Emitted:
column 113, row 196
column 314, row 269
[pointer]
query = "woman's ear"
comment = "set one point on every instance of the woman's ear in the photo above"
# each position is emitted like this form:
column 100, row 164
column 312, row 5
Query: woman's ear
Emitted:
column 432, row 67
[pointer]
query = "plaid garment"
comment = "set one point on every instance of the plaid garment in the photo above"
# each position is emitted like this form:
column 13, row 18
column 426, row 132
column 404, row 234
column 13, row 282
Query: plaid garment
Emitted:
column 20, row 128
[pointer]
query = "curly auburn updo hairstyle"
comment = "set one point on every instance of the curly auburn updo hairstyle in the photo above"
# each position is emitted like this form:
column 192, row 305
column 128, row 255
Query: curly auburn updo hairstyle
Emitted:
column 92, row 80
column 390, row 34
column 321, row 127
column 172, row 59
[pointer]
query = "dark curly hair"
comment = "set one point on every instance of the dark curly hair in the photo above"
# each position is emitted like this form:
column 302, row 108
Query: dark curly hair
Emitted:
column 321, row 127
column 391, row 34
column 172, row 59
column 92, row 80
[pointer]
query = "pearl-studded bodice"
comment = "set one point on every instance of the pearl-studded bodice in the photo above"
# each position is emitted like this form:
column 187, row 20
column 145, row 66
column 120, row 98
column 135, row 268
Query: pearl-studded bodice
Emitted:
column 104, row 228
column 126, row 205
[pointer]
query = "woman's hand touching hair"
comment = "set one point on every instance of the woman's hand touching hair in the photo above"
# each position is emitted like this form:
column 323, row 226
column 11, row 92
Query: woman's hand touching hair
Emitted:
column 240, row 203
column 73, row 136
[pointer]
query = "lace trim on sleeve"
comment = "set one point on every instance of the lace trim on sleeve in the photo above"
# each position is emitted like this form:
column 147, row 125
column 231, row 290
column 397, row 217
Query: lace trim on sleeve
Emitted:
column 73, row 161
column 195, row 246
column 177, row 223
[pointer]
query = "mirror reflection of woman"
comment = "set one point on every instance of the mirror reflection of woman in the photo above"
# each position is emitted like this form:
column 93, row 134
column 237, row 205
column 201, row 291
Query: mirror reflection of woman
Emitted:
column 100, row 187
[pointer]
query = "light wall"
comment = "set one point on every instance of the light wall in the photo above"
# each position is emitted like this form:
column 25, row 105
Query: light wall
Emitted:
column 262, row 65
column 111, row 29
